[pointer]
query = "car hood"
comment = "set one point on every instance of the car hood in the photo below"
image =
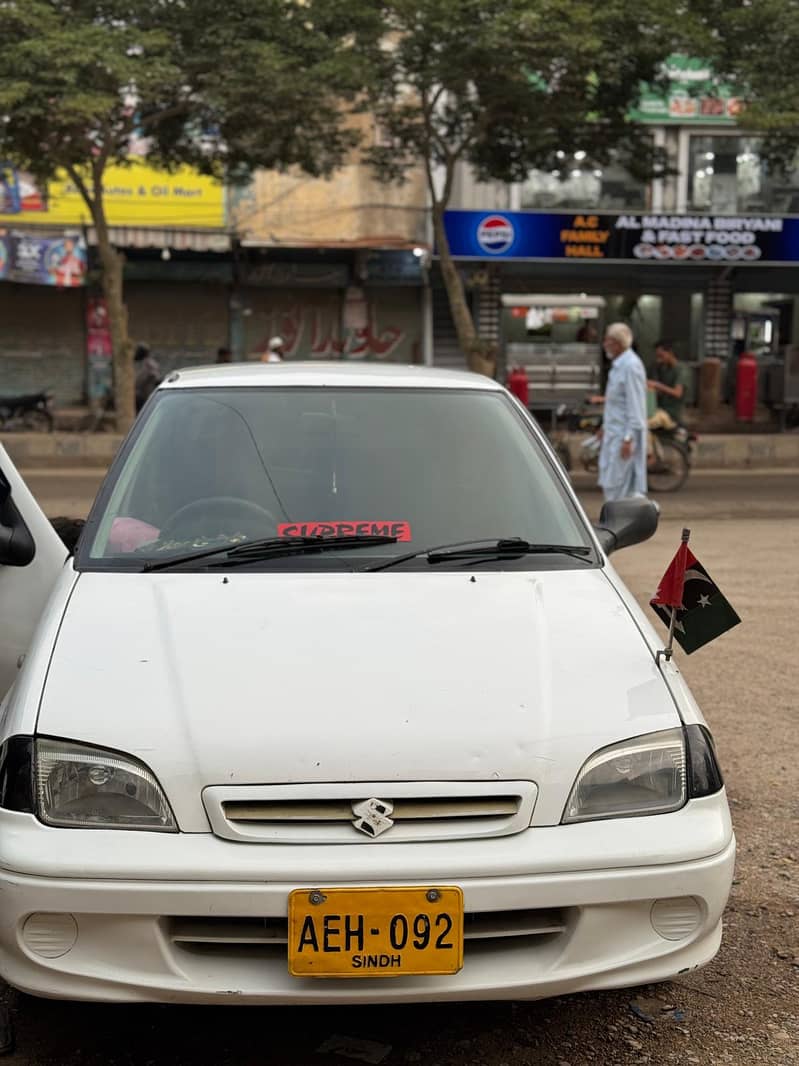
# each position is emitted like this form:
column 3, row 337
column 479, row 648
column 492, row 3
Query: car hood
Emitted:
column 257, row 678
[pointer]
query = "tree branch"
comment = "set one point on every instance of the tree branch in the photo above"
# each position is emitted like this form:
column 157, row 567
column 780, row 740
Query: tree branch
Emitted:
column 168, row 112
column 81, row 186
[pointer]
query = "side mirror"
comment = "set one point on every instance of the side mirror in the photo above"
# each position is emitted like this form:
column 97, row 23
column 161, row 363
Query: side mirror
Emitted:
column 17, row 547
column 625, row 522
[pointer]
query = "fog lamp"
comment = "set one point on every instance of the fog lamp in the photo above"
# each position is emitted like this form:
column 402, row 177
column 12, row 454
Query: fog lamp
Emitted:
column 676, row 919
column 50, row 935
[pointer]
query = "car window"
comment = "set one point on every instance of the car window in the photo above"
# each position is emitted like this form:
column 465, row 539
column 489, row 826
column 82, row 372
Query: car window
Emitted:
column 432, row 466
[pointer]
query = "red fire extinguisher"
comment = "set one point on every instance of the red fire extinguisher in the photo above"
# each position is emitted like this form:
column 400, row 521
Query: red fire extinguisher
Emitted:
column 746, row 387
column 517, row 384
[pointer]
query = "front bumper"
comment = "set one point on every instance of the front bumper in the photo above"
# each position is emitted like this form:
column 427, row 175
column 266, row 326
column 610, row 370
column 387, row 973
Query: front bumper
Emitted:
column 173, row 937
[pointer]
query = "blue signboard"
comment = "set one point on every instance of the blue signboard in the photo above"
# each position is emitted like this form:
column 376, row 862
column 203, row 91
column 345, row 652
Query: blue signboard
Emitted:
column 647, row 238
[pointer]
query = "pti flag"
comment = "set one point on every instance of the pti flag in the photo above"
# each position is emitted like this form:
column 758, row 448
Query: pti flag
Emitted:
column 702, row 612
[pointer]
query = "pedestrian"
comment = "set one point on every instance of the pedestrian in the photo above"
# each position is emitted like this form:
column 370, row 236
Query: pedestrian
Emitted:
column 622, row 455
column 275, row 351
column 224, row 355
column 669, row 385
column 147, row 374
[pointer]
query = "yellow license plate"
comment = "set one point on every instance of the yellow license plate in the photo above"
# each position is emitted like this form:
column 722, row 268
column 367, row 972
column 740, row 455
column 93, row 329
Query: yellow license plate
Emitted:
column 375, row 932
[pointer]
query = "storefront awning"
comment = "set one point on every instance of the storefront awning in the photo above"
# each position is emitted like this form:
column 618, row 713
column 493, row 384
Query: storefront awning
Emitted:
column 189, row 240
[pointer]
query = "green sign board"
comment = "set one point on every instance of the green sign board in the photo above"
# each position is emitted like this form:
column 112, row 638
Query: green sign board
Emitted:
column 693, row 95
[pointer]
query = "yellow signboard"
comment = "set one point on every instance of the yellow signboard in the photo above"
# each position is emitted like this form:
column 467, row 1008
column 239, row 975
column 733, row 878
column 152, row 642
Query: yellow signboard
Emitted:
column 135, row 195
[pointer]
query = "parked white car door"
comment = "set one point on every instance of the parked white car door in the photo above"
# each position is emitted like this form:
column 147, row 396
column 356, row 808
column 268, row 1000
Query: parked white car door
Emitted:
column 31, row 557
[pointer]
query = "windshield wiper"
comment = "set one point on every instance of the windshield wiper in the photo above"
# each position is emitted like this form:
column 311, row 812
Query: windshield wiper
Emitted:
column 507, row 548
column 272, row 547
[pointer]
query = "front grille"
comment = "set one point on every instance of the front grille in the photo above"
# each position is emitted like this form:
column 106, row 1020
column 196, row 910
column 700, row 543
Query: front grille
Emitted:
column 324, row 814
column 269, row 936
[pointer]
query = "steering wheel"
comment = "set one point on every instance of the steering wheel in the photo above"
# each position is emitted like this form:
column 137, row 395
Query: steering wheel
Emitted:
column 230, row 511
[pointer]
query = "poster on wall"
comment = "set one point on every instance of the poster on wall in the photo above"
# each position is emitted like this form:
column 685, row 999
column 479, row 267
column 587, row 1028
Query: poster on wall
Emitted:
column 32, row 260
column 647, row 238
column 19, row 193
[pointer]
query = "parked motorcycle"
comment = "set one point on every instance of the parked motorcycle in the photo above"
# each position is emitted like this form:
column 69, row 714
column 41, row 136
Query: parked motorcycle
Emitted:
column 667, row 468
column 27, row 414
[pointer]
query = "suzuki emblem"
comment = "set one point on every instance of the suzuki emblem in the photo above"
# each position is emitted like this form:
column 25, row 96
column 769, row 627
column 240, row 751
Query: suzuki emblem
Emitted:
column 372, row 816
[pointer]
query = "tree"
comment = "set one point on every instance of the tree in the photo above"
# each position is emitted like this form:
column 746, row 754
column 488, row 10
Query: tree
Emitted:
column 221, row 86
column 754, row 46
column 504, row 86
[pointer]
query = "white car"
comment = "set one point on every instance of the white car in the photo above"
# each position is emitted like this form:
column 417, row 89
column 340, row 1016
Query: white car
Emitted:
column 341, row 684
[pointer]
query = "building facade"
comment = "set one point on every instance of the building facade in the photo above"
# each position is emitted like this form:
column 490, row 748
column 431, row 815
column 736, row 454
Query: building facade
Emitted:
column 178, row 273
column 329, row 264
column 335, row 267
column 706, row 256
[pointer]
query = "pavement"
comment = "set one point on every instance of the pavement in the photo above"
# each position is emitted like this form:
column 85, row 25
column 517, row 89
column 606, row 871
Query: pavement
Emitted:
column 741, row 1009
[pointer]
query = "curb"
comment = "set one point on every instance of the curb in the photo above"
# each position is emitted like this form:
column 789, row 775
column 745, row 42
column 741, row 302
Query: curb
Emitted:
column 761, row 451
column 55, row 450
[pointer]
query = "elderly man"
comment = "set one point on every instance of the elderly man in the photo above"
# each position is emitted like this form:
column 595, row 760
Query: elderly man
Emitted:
column 622, row 457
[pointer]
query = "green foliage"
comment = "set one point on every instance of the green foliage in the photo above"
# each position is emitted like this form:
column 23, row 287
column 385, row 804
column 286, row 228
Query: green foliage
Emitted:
column 67, row 71
column 270, row 83
column 506, row 84
column 754, row 45
column 224, row 86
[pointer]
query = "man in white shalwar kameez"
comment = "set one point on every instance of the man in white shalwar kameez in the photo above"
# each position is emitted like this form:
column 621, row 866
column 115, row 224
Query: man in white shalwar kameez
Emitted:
column 622, row 456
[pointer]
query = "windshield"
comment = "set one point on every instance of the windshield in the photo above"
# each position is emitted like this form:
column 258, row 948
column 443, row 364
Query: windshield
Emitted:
column 222, row 466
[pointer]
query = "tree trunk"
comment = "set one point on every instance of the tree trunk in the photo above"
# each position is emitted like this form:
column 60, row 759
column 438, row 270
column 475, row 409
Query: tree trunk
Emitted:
column 112, row 263
column 479, row 353
column 90, row 187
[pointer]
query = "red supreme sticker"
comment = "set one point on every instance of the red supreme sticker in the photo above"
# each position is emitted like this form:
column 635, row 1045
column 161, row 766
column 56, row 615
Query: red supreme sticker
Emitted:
column 400, row 530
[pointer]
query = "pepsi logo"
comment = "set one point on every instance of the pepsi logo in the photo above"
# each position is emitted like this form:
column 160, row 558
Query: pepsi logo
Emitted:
column 495, row 234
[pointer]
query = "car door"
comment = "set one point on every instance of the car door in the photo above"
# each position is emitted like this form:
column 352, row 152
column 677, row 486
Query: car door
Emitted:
column 31, row 557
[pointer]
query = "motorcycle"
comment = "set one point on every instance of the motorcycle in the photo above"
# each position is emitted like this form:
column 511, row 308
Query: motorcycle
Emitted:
column 669, row 464
column 29, row 413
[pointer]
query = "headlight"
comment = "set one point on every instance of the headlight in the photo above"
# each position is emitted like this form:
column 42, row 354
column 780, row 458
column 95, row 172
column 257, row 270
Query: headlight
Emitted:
column 84, row 787
column 645, row 775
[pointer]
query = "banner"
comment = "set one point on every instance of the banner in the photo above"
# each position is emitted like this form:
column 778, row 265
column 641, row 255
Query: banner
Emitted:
column 18, row 192
column 135, row 195
column 693, row 96
column 654, row 238
column 59, row 261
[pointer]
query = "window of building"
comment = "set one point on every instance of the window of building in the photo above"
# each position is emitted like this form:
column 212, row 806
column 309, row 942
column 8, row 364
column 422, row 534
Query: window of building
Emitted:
column 578, row 183
column 729, row 176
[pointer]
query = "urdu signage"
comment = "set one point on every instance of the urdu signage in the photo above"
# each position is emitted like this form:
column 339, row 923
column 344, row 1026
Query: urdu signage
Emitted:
column 649, row 238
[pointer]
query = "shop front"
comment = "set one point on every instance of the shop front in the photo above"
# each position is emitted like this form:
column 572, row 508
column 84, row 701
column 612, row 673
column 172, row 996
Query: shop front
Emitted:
column 328, row 304
column 699, row 280
column 54, row 330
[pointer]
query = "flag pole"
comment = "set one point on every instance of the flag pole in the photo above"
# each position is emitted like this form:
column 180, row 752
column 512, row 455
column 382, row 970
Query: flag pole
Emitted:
column 668, row 651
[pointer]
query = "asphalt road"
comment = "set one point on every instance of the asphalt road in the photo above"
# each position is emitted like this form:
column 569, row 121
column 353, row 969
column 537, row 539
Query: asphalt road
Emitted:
column 741, row 1009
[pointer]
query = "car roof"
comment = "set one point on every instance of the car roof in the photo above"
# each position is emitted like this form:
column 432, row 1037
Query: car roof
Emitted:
column 351, row 375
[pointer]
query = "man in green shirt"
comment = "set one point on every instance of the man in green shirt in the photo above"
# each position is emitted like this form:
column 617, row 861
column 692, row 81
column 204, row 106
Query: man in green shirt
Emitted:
column 669, row 385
